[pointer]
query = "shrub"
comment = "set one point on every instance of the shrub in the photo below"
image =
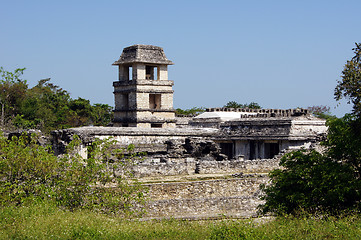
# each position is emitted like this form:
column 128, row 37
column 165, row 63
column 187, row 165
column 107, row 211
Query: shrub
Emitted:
column 312, row 182
column 26, row 170
column 30, row 172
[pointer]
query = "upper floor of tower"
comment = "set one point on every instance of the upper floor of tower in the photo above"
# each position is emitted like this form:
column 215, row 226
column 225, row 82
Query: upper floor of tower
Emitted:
column 143, row 62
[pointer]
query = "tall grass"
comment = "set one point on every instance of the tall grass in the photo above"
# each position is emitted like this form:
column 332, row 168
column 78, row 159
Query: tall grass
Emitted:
column 46, row 221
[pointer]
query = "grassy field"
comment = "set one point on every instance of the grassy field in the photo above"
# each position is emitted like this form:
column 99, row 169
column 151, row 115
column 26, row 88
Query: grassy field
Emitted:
column 48, row 222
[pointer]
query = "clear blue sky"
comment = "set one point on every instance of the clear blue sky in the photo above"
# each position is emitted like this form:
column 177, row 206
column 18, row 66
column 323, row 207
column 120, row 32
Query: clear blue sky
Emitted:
column 280, row 54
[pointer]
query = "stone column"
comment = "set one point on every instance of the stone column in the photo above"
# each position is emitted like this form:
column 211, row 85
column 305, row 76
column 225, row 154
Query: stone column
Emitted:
column 123, row 73
column 162, row 72
column 138, row 71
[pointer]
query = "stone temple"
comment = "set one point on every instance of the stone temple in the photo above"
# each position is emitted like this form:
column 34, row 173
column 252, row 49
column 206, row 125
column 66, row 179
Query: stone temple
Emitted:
column 233, row 148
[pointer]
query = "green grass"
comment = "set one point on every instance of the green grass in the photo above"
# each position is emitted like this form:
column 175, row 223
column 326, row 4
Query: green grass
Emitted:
column 48, row 222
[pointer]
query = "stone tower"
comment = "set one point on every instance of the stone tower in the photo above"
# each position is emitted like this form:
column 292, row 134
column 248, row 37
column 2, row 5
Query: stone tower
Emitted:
column 143, row 95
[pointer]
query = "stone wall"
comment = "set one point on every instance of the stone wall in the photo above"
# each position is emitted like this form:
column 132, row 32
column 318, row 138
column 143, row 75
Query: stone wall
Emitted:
column 237, row 197
column 157, row 167
column 238, row 166
column 148, row 140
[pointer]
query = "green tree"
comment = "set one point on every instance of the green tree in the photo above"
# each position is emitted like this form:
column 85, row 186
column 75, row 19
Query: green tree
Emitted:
column 253, row 105
column 12, row 93
column 349, row 86
column 344, row 141
column 47, row 106
column 81, row 112
column 234, row 104
column 102, row 114
column 345, row 138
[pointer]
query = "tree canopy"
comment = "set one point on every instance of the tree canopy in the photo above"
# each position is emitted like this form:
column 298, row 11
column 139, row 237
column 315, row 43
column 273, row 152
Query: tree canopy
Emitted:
column 234, row 104
column 45, row 106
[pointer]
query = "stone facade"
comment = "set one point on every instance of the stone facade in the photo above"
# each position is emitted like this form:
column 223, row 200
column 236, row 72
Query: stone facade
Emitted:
column 262, row 133
column 233, row 147
column 238, row 197
column 143, row 95
column 192, row 150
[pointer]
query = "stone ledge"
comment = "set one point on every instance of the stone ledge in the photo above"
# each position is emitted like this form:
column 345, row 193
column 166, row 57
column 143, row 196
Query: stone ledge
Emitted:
column 143, row 82
column 134, row 131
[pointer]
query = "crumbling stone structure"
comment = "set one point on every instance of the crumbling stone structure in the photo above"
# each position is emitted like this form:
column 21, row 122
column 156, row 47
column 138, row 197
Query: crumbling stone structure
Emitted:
column 209, row 165
column 143, row 95
column 262, row 133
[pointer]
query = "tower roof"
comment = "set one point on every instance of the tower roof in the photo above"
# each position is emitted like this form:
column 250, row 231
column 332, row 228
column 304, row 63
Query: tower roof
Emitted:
column 143, row 54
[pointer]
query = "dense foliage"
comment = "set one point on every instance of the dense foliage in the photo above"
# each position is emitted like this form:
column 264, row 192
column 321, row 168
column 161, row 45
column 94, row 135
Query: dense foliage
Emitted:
column 45, row 106
column 234, row 104
column 329, row 181
column 31, row 173
column 311, row 182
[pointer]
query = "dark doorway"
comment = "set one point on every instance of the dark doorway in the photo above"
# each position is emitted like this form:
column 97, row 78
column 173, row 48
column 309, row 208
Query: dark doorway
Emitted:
column 227, row 149
column 252, row 150
column 271, row 150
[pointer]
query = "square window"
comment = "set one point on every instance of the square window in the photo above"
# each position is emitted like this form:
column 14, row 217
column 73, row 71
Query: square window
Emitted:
column 154, row 101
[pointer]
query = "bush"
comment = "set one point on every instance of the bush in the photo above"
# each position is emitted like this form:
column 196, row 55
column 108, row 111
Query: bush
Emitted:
column 311, row 182
column 26, row 170
column 30, row 172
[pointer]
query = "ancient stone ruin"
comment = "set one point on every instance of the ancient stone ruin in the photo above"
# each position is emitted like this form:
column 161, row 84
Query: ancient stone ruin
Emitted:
column 209, row 165
column 143, row 95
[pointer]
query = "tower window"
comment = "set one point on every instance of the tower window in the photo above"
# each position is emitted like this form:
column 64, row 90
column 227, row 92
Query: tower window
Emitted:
column 151, row 73
column 130, row 73
column 124, row 101
column 154, row 101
